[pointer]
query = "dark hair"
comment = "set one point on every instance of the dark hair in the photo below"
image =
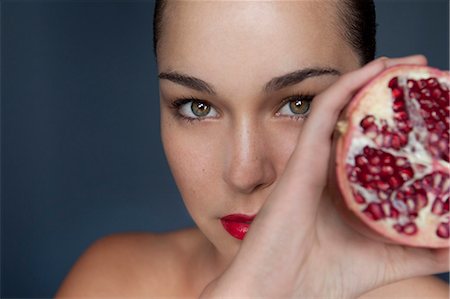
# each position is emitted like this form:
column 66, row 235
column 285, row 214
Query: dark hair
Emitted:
column 360, row 28
column 357, row 16
column 157, row 23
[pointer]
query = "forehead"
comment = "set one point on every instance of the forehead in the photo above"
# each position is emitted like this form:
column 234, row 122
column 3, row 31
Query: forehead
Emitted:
column 222, row 40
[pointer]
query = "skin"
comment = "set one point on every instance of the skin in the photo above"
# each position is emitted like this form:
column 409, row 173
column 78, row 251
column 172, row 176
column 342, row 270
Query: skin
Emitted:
column 239, row 156
column 244, row 159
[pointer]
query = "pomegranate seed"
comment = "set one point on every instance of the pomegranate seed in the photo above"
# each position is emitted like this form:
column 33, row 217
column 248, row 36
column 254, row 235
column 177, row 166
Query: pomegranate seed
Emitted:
column 398, row 227
column 410, row 190
column 367, row 122
column 422, row 83
column 395, row 181
column 393, row 83
column 355, row 173
column 398, row 105
column 394, row 212
column 400, row 195
column 368, row 151
column 427, row 184
column 447, row 95
column 432, row 82
column 402, row 115
column 410, row 229
column 411, row 84
column 438, row 207
column 430, row 126
column 397, row 93
column 379, row 140
column 361, row 160
column 404, row 126
column 435, row 115
column 401, row 161
column 373, row 169
column 443, row 145
column 366, row 177
column 414, row 95
column 426, row 92
column 422, row 201
column 436, row 93
column 433, row 137
column 359, row 198
column 374, row 211
column 387, row 170
column 396, row 143
column 383, row 186
column 387, row 158
column 406, row 173
column 443, row 230
column 403, row 139
column 375, row 160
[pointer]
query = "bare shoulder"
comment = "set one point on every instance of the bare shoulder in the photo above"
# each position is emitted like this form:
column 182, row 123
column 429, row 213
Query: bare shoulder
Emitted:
column 129, row 264
column 419, row 287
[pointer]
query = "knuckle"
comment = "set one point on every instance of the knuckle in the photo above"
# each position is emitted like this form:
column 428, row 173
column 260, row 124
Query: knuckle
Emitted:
column 422, row 58
column 346, row 80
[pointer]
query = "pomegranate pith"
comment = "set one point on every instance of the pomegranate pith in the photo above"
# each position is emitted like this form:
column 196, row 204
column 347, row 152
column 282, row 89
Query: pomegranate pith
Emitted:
column 393, row 156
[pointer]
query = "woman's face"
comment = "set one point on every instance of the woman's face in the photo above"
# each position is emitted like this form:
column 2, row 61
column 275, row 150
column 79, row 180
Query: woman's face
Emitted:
column 253, row 68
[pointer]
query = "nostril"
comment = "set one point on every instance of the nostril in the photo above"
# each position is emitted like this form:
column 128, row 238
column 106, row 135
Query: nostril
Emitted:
column 248, row 162
column 249, row 177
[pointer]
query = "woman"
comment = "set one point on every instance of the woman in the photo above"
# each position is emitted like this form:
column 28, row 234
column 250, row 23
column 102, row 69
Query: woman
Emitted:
column 248, row 148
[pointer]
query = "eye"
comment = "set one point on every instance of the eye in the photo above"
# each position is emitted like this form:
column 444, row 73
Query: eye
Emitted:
column 195, row 109
column 297, row 106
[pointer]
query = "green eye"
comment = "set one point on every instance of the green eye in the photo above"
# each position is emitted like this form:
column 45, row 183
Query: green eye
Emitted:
column 296, row 106
column 200, row 109
column 299, row 106
column 192, row 108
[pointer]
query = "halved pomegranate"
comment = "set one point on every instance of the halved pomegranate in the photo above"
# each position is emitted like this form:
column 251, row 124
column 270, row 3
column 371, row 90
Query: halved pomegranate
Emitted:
column 392, row 157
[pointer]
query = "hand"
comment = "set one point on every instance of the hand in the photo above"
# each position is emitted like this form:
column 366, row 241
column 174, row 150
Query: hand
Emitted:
column 298, row 246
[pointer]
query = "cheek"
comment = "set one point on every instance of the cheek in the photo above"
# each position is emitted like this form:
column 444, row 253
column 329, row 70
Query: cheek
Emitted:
column 281, row 142
column 193, row 157
column 198, row 154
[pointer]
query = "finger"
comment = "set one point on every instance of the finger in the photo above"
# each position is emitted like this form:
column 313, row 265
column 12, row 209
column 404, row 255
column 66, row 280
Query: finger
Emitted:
column 308, row 165
column 333, row 100
column 410, row 262
column 304, row 177
column 328, row 106
column 413, row 59
column 314, row 142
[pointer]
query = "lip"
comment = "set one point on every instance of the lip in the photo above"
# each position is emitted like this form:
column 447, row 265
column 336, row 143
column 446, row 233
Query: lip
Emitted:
column 237, row 225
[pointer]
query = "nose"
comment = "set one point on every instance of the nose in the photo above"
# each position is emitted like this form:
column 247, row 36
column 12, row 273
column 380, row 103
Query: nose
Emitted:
column 248, row 165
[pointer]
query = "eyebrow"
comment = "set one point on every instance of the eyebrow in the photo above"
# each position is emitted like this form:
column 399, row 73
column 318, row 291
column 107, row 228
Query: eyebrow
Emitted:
column 274, row 84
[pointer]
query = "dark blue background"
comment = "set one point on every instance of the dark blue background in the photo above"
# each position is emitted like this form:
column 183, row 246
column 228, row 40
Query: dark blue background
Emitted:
column 80, row 146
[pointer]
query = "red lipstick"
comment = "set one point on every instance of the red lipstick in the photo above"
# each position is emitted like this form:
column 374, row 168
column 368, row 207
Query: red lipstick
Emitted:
column 237, row 224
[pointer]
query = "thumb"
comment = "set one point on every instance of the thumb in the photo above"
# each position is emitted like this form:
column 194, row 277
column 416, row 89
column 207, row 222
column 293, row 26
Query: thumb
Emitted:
column 308, row 165
column 408, row 262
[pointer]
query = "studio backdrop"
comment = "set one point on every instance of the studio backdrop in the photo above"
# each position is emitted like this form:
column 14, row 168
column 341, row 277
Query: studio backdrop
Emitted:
column 81, row 155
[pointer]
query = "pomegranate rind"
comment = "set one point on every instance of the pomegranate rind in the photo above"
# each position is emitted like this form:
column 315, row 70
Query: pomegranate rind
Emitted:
column 366, row 102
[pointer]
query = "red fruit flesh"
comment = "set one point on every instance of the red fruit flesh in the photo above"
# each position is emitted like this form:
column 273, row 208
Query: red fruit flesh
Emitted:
column 392, row 158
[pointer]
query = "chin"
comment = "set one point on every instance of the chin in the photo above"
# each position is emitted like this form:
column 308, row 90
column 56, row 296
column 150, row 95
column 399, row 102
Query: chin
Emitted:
column 226, row 245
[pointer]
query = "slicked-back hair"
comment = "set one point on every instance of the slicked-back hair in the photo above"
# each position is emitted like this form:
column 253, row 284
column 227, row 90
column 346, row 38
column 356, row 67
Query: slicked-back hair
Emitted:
column 357, row 19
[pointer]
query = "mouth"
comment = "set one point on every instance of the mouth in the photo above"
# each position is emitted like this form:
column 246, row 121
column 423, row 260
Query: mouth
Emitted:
column 237, row 225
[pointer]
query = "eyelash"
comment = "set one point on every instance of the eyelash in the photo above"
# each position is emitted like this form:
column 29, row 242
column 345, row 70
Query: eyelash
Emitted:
column 175, row 105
